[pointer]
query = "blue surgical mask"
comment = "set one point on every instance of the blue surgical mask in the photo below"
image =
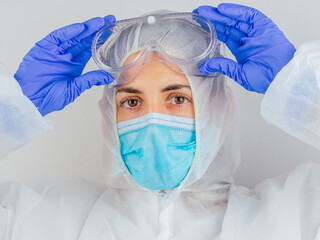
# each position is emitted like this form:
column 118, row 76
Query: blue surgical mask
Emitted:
column 158, row 149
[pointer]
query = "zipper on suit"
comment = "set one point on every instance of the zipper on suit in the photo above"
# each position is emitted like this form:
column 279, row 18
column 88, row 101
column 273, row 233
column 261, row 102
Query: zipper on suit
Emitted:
column 163, row 218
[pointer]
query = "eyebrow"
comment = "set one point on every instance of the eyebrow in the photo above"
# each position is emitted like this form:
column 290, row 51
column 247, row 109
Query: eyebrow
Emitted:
column 166, row 89
column 175, row 87
column 128, row 90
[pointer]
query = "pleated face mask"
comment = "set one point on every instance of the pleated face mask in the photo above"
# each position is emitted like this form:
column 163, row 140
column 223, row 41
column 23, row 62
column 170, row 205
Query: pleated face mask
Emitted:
column 158, row 149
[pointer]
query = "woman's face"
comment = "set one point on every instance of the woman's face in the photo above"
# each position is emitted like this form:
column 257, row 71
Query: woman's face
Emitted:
column 157, row 88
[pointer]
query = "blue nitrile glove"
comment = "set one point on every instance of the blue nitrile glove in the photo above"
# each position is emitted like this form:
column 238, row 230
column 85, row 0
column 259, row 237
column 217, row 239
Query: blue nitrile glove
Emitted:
column 260, row 48
column 50, row 73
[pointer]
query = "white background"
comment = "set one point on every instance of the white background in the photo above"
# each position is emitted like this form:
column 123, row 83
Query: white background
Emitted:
column 73, row 148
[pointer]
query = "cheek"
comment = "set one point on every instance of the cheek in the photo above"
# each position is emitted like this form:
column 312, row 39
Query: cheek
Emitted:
column 124, row 114
column 187, row 110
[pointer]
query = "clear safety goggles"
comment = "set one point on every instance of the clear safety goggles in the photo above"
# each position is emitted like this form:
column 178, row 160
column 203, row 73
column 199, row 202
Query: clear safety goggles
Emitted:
column 155, row 46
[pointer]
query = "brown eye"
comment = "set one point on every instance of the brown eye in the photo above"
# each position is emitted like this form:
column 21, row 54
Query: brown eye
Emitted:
column 179, row 100
column 132, row 102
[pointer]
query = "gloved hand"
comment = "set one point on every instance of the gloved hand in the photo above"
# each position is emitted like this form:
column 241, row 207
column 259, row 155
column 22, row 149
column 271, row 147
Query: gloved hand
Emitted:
column 260, row 48
column 50, row 73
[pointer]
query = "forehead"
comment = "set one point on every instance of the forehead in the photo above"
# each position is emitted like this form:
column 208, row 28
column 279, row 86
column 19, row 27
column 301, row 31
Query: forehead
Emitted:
column 156, row 71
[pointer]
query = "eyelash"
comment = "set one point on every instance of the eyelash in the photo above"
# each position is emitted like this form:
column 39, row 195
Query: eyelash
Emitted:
column 179, row 95
column 171, row 97
column 128, row 99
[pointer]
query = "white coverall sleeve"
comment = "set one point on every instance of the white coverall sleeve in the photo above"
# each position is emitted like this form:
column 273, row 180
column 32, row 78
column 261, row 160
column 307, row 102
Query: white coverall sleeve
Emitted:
column 286, row 207
column 292, row 101
column 20, row 121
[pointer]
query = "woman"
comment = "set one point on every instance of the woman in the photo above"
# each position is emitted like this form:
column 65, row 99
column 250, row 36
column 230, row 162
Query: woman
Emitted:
column 169, row 140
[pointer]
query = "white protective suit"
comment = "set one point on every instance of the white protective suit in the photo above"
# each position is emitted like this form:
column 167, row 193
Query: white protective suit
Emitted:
column 207, row 206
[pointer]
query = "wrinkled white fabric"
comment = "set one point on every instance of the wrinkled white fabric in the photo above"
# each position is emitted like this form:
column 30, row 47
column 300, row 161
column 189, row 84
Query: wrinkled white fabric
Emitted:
column 20, row 121
column 207, row 206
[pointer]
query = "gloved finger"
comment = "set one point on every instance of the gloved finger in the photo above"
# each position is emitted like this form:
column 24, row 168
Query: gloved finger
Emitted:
column 232, row 45
column 91, row 27
column 233, row 41
column 62, row 34
column 83, row 57
column 202, row 24
column 88, row 80
column 213, row 14
column 240, row 12
column 195, row 11
column 81, row 46
column 224, row 32
column 225, row 66
column 86, row 43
